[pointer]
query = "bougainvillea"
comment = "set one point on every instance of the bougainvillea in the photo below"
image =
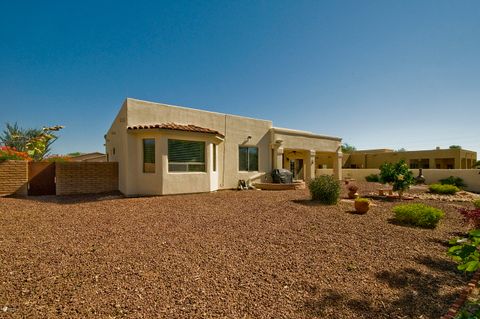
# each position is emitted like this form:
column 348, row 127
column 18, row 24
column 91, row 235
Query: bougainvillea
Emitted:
column 9, row 153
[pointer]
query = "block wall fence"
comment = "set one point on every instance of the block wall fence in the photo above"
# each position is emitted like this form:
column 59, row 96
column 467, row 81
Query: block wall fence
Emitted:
column 86, row 177
column 71, row 178
column 13, row 178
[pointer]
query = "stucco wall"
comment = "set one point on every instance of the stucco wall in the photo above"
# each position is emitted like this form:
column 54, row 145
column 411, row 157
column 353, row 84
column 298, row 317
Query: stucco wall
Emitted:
column 13, row 178
column 461, row 159
column 238, row 131
column 470, row 176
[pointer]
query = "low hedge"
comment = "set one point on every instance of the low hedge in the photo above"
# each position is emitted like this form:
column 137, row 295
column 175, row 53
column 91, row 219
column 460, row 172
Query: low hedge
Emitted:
column 418, row 215
column 372, row 178
column 443, row 189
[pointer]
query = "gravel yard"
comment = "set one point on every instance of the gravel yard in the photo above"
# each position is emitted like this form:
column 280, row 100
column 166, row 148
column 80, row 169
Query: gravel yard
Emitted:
column 250, row 254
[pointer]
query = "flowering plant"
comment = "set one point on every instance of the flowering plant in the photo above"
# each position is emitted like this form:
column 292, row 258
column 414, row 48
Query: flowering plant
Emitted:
column 10, row 153
column 472, row 216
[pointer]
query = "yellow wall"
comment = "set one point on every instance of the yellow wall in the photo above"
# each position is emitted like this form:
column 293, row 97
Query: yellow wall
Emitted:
column 456, row 157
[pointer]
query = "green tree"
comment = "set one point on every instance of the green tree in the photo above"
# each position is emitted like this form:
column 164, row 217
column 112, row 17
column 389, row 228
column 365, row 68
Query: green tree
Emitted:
column 398, row 175
column 401, row 150
column 347, row 148
column 476, row 164
column 16, row 137
column 455, row 147
column 35, row 142
column 74, row 154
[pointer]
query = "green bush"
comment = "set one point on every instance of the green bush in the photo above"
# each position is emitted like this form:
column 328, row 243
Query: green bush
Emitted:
column 443, row 189
column 418, row 215
column 325, row 189
column 374, row 178
column 457, row 181
column 476, row 203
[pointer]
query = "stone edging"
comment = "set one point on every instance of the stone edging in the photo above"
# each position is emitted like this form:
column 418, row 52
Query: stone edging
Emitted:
column 455, row 307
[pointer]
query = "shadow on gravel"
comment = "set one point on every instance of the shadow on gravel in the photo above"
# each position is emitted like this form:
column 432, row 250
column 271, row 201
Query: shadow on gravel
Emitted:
column 307, row 202
column 447, row 266
column 416, row 295
column 76, row 199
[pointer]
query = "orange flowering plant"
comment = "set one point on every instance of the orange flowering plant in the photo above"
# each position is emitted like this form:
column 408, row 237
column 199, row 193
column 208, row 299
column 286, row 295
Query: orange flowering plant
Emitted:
column 10, row 153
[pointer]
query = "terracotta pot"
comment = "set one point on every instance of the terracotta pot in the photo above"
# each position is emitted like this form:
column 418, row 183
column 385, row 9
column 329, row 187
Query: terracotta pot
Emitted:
column 362, row 207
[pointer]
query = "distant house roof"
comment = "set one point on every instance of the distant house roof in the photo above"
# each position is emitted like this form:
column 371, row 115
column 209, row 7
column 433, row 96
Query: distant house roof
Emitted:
column 90, row 157
column 176, row 127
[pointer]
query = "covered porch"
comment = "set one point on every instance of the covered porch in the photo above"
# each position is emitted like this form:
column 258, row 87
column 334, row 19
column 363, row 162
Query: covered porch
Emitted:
column 303, row 153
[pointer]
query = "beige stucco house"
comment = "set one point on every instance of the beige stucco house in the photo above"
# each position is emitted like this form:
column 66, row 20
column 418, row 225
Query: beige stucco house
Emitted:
column 163, row 149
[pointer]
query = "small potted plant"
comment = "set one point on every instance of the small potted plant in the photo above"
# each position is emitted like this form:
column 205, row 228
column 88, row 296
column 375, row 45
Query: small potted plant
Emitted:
column 352, row 191
column 362, row 205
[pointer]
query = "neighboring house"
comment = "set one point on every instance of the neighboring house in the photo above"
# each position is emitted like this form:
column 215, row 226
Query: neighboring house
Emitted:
column 163, row 149
column 90, row 157
column 437, row 158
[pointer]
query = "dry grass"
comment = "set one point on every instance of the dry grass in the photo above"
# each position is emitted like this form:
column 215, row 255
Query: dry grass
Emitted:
column 252, row 254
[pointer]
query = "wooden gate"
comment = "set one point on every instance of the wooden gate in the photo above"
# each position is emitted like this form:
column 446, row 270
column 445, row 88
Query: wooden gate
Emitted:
column 41, row 178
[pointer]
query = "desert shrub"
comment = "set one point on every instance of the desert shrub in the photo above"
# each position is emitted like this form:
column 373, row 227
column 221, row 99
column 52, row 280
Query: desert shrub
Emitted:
column 465, row 252
column 325, row 189
column 476, row 203
column 418, row 215
column 398, row 175
column 443, row 189
column 457, row 181
column 374, row 178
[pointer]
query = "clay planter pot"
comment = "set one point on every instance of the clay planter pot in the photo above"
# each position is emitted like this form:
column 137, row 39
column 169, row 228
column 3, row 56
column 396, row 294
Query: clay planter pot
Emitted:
column 362, row 207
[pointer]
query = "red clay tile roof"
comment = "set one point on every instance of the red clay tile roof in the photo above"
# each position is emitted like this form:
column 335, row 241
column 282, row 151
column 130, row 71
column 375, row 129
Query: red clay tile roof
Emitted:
column 176, row 127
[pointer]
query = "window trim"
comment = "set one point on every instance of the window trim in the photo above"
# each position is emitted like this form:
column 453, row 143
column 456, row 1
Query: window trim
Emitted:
column 248, row 158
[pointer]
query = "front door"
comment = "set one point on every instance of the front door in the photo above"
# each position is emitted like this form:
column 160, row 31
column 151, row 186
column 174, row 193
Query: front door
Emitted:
column 296, row 167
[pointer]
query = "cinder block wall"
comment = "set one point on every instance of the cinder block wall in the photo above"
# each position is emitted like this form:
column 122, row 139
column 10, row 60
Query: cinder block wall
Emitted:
column 13, row 178
column 86, row 177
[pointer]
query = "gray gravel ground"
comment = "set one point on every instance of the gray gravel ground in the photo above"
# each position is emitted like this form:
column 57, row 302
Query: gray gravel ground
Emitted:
column 231, row 254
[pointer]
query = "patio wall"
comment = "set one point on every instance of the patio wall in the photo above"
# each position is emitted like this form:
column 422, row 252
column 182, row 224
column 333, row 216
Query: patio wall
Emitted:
column 471, row 177
column 86, row 177
column 13, row 178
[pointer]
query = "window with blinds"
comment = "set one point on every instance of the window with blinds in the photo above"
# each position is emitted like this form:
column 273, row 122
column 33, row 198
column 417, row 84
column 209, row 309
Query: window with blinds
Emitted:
column 248, row 159
column 186, row 156
column 149, row 155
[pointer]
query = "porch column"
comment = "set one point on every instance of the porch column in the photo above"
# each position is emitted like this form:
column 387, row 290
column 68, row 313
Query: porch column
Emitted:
column 310, row 165
column 337, row 164
column 277, row 157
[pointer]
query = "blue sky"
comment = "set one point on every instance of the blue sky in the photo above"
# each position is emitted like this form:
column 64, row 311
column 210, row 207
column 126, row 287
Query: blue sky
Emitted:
column 376, row 73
